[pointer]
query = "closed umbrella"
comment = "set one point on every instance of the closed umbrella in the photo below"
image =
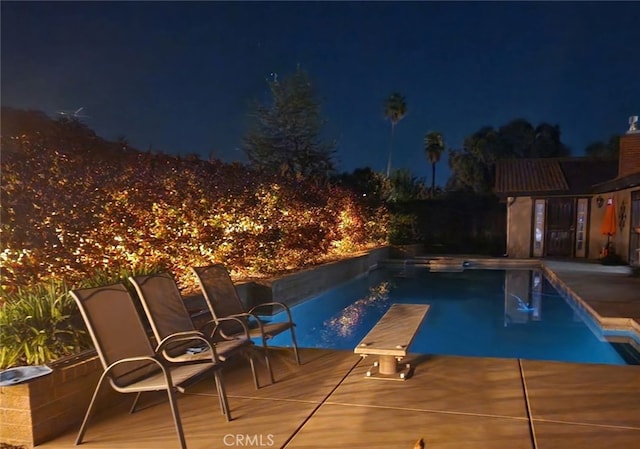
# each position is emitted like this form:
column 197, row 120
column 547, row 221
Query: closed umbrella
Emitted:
column 608, row 227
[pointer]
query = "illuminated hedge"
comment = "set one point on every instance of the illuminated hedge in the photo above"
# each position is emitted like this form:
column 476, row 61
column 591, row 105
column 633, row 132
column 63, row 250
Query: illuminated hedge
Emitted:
column 68, row 213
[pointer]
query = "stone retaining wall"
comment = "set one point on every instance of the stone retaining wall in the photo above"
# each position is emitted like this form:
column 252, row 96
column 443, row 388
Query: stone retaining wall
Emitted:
column 294, row 288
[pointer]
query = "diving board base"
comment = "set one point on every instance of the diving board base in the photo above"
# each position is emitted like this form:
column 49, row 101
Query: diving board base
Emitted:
column 388, row 368
column 390, row 339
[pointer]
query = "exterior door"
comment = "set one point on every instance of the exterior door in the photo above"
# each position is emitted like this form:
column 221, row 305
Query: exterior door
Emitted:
column 560, row 232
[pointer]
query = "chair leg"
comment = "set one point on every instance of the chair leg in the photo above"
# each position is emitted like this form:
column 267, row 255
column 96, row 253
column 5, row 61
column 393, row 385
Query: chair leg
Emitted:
column 222, row 395
column 253, row 369
column 295, row 345
column 176, row 416
column 220, row 401
column 266, row 359
column 87, row 416
column 135, row 403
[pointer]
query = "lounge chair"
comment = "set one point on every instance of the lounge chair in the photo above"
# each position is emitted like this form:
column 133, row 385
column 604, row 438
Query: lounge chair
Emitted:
column 167, row 314
column 223, row 300
column 131, row 364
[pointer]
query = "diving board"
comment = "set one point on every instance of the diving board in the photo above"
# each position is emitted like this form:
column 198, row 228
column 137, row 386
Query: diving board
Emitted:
column 391, row 338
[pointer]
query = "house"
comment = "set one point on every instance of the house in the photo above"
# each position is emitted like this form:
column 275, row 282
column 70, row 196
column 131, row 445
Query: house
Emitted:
column 556, row 206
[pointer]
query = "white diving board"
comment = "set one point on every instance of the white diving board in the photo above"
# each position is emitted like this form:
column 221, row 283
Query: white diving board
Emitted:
column 391, row 338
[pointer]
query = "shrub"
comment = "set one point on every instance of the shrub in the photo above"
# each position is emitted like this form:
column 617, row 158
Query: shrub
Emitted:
column 37, row 325
column 403, row 229
column 42, row 323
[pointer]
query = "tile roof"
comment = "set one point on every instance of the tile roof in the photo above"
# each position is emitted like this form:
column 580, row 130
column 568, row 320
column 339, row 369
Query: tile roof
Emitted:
column 551, row 176
column 529, row 175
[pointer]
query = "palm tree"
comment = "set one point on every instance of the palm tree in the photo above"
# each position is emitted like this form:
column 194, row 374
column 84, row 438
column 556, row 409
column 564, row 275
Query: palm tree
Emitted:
column 395, row 108
column 433, row 148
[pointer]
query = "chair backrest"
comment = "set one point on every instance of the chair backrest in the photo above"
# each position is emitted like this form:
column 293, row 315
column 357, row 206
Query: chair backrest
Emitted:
column 163, row 305
column 117, row 331
column 219, row 292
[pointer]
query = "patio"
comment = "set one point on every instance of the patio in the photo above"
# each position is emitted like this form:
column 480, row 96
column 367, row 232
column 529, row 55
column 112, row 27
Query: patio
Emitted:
column 451, row 402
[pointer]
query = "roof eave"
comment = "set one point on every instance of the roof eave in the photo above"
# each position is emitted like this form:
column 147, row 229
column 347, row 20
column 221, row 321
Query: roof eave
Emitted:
column 533, row 193
column 612, row 185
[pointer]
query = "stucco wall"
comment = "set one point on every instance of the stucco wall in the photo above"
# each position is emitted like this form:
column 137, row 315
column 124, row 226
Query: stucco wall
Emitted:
column 519, row 227
column 620, row 240
column 623, row 234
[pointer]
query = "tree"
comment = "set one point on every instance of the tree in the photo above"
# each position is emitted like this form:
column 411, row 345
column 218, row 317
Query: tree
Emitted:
column 516, row 137
column 433, row 147
column 472, row 167
column 601, row 150
column 286, row 137
column 405, row 187
column 372, row 187
column 395, row 108
column 547, row 142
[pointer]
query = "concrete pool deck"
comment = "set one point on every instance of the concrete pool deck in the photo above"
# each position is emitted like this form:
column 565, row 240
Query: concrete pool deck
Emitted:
column 450, row 401
column 610, row 294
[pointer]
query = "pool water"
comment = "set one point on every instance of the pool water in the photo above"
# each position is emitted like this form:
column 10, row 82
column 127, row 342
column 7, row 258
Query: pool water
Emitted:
column 487, row 313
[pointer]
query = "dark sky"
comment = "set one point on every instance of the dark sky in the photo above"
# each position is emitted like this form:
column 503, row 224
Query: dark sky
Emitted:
column 181, row 76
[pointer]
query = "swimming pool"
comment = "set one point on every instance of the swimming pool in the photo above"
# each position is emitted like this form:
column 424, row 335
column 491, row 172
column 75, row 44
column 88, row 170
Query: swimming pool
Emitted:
column 488, row 313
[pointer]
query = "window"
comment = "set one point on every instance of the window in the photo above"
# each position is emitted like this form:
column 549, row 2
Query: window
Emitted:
column 538, row 229
column 581, row 227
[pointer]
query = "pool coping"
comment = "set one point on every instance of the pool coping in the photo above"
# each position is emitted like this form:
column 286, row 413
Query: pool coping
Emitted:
column 606, row 325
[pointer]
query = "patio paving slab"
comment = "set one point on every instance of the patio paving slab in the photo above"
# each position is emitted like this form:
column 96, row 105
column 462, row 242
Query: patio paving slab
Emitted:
column 484, row 386
column 584, row 393
column 341, row 426
column 550, row 435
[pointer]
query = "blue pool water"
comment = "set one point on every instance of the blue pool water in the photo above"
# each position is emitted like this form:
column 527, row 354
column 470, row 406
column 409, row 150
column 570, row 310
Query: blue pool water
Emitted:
column 488, row 313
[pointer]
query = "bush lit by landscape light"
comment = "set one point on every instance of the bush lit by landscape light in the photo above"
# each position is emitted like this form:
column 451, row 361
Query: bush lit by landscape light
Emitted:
column 68, row 214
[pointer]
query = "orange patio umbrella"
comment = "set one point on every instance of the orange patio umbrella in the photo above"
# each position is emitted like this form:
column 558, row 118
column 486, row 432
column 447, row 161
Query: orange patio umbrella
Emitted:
column 608, row 227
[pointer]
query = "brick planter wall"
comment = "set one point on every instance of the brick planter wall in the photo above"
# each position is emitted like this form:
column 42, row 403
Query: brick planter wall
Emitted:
column 37, row 411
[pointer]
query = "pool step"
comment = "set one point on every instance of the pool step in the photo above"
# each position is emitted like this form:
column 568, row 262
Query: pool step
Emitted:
column 439, row 264
column 627, row 352
column 447, row 264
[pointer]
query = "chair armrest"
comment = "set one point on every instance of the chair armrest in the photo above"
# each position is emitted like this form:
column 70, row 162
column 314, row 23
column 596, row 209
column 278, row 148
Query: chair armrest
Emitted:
column 134, row 359
column 162, row 366
column 217, row 328
column 255, row 317
column 187, row 336
column 273, row 303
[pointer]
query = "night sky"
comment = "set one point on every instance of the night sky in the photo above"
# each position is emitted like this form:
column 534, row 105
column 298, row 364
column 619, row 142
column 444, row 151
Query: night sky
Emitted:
column 180, row 77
